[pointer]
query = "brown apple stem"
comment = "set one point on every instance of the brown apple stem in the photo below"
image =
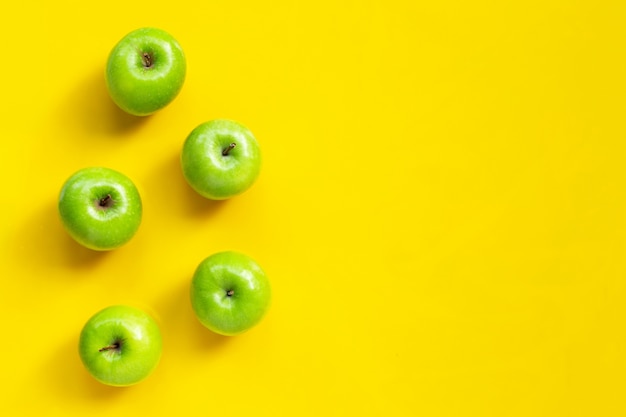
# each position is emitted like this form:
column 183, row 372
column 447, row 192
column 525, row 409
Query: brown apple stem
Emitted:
column 104, row 202
column 110, row 347
column 228, row 149
column 147, row 60
column 230, row 293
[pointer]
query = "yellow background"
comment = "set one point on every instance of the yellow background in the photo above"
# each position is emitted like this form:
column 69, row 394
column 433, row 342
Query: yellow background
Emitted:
column 441, row 208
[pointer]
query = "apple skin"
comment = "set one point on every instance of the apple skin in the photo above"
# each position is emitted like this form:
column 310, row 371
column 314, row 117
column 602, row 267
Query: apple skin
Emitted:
column 87, row 220
column 120, row 345
column 145, row 71
column 212, row 174
column 240, row 276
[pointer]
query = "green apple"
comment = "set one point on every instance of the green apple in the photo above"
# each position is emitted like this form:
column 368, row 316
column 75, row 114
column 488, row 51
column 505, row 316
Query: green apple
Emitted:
column 230, row 293
column 120, row 345
column 100, row 208
column 145, row 71
column 220, row 159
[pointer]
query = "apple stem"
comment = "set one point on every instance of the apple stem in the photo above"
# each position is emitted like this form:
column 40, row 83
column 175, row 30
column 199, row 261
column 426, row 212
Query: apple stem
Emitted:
column 110, row 347
column 228, row 149
column 147, row 60
column 230, row 293
column 104, row 202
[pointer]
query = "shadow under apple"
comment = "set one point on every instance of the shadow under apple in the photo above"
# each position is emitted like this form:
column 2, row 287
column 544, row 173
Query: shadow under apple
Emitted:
column 43, row 244
column 67, row 378
column 181, row 329
column 90, row 109
column 168, row 180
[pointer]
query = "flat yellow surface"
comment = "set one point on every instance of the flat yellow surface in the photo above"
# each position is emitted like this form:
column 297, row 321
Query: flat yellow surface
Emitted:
column 441, row 209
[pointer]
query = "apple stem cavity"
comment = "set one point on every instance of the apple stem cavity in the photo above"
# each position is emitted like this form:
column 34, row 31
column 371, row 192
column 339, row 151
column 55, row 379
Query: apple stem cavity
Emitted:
column 106, row 202
column 147, row 60
column 227, row 150
column 114, row 346
column 230, row 293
